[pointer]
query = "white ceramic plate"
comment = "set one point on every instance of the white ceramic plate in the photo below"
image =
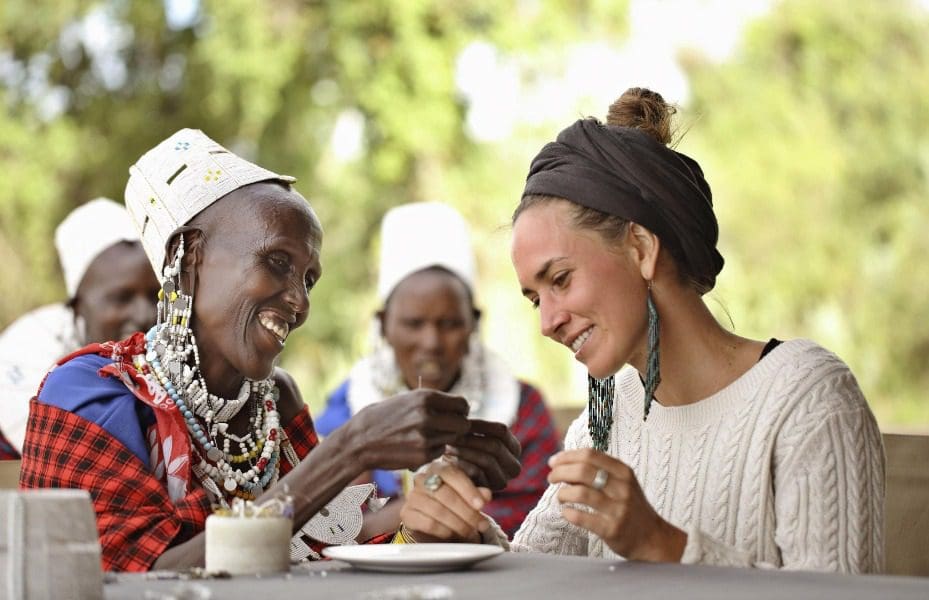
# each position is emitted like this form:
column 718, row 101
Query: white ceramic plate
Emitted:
column 412, row 558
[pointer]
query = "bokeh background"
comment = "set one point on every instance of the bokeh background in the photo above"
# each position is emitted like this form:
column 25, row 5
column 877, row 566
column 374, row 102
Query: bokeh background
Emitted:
column 811, row 121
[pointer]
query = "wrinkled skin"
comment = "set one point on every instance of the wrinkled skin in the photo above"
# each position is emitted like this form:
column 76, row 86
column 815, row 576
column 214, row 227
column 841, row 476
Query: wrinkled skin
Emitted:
column 117, row 294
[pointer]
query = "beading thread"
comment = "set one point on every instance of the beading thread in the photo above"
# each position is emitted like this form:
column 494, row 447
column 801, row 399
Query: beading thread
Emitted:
column 652, row 369
column 600, row 410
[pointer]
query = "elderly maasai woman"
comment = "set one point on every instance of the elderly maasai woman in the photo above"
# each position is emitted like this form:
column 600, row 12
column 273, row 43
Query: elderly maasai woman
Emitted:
column 110, row 286
column 162, row 426
column 426, row 335
column 717, row 449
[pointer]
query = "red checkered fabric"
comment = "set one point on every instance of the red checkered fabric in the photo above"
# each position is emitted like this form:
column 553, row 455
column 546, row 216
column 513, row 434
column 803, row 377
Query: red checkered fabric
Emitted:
column 535, row 430
column 135, row 517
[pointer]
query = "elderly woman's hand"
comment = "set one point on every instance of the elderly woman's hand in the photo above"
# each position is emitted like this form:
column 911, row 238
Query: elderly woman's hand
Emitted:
column 621, row 514
column 445, row 506
column 488, row 454
column 406, row 431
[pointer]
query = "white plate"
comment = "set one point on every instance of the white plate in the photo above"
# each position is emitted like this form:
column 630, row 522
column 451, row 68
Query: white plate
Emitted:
column 412, row 558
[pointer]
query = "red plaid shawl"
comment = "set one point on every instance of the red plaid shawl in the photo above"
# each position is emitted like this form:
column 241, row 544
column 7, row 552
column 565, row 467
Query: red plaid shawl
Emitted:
column 136, row 518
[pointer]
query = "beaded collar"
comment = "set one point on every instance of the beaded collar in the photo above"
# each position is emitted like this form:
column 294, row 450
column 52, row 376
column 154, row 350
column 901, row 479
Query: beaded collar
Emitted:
column 255, row 466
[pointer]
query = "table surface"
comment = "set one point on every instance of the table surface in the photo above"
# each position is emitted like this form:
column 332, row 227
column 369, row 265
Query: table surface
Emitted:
column 538, row 576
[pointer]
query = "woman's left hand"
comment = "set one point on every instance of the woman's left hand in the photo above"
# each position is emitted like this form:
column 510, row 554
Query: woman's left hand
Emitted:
column 445, row 505
column 622, row 517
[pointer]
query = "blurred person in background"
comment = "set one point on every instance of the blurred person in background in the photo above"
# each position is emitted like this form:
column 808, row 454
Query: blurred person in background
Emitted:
column 111, row 288
column 426, row 335
column 162, row 427
column 708, row 447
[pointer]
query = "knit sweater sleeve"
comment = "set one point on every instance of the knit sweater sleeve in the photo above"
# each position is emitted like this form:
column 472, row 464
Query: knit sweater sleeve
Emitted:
column 828, row 480
column 545, row 529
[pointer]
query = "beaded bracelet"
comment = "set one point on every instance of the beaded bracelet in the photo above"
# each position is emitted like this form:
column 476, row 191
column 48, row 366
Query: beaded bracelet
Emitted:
column 403, row 536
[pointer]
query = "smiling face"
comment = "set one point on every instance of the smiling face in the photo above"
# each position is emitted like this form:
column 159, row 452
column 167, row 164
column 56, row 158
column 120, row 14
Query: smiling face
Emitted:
column 117, row 295
column 258, row 259
column 427, row 321
column 591, row 296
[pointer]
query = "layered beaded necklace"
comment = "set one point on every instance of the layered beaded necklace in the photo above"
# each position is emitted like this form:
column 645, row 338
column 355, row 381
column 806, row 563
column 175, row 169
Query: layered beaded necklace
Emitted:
column 170, row 347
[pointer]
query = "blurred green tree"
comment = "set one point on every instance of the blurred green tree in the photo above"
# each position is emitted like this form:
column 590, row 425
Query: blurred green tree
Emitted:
column 88, row 86
column 815, row 138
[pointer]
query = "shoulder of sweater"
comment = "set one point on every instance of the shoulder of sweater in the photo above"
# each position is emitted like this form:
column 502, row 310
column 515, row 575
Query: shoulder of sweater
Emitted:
column 813, row 376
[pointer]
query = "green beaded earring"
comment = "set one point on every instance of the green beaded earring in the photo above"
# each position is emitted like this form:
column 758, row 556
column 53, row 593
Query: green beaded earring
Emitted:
column 600, row 410
column 652, row 369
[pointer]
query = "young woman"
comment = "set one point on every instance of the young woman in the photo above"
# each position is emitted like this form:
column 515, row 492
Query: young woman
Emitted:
column 710, row 447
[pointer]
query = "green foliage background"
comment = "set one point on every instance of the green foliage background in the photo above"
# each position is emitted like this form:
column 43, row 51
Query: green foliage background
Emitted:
column 813, row 134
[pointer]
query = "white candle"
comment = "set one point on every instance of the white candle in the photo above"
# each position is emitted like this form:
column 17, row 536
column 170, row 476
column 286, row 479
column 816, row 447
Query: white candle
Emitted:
column 248, row 545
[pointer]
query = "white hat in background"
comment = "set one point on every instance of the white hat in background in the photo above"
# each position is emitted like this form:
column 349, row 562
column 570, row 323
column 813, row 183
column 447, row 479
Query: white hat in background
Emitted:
column 422, row 235
column 86, row 232
column 177, row 179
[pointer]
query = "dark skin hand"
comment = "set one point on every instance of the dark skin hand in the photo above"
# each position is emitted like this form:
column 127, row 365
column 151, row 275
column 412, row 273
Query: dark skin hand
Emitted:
column 408, row 432
column 489, row 454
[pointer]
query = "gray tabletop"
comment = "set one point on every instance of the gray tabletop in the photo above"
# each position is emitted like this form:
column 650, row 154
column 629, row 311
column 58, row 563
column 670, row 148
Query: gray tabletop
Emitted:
column 533, row 576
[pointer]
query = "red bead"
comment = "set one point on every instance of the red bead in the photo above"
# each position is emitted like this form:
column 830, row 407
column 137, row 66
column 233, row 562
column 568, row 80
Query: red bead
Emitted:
column 272, row 435
column 262, row 463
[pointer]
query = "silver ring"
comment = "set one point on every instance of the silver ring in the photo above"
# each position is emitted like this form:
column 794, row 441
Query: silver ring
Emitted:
column 433, row 483
column 600, row 478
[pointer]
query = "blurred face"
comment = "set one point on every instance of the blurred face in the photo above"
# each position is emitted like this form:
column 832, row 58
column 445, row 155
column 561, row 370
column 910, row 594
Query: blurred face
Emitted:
column 259, row 258
column 118, row 293
column 428, row 321
column 591, row 297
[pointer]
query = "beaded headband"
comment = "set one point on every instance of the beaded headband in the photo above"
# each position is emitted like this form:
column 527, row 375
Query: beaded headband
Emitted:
column 177, row 179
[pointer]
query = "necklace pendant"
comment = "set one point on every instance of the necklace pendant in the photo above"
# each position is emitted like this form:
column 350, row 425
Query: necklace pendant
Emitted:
column 229, row 484
column 214, row 454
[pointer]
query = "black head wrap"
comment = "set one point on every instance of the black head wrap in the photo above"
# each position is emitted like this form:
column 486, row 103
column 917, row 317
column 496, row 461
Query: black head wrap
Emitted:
column 626, row 173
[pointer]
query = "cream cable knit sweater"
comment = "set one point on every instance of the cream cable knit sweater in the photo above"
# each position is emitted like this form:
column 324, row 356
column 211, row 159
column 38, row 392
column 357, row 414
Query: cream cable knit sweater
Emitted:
column 782, row 468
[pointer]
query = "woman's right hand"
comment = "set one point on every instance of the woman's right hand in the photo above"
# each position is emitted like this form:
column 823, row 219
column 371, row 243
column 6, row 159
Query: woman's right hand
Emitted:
column 448, row 512
column 407, row 430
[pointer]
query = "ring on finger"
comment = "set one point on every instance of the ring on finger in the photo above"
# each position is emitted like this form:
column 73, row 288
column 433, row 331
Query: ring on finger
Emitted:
column 433, row 483
column 600, row 479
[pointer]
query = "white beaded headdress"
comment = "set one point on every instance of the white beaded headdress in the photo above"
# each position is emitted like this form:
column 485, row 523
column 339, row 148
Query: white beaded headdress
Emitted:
column 87, row 231
column 421, row 235
column 177, row 179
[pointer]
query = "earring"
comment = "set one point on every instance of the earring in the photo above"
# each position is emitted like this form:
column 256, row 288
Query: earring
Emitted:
column 652, row 370
column 600, row 410
column 174, row 342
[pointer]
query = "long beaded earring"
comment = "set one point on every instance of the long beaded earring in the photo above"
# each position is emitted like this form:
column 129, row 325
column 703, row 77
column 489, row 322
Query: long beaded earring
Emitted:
column 652, row 370
column 174, row 310
column 600, row 410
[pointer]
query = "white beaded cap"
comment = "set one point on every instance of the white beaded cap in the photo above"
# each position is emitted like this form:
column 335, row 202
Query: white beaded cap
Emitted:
column 85, row 233
column 177, row 179
column 420, row 235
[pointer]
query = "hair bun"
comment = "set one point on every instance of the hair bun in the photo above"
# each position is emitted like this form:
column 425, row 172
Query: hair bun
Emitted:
column 641, row 108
